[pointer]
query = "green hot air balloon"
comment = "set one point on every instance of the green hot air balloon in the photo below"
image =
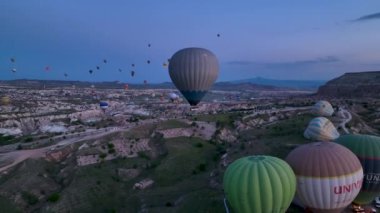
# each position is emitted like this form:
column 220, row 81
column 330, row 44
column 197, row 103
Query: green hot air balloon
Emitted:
column 259, row 184
column 367, row 149
column 193, row 71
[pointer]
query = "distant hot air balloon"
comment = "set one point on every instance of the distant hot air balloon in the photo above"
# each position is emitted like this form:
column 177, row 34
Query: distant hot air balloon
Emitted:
column 133, row 65
column 120, row 70
column 13, row 60
column 329, row 176
column 173, row 96
column 97, row 67
column 145, row 82
column 148, row 61
column 321, row 129
column 105, row 61
column 132, row 73
column 65, row 74
column 149, row 45
column 218, row 35
column 367, row 149
column 103, row 105
column 323, row 108
column 259, row 184
column 90, row 71
column 47, row 69
column 193, row 71
column 13, row 70
column 5, row 100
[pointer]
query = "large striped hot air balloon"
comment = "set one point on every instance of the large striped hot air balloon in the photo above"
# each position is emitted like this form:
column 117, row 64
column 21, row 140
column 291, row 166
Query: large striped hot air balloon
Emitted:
column 321, row 129
column 367, row 149
column 259, row 184
column 193, row 71
column 323, row 108
column 329, row 176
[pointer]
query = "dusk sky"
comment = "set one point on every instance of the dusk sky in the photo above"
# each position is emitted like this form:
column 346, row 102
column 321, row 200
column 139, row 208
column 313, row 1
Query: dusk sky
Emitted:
column 294, row 39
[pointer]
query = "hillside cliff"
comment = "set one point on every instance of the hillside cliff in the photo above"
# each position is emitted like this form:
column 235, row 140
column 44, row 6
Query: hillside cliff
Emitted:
column 360, row 84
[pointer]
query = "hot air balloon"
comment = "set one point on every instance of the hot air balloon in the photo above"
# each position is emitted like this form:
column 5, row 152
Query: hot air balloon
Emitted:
column 259, row 184
column 149, row 45
column 218, row 35
column 193, row 71
column 323, row 108
column 13, row 60
column 120, row 70
column 133, row 65
column 5, row 100
column 65, row 74
column 132, row 73
column 173, row 96
column 148, row 61
column 13, row 70
column 105, row 61
column 90, row 71
column 103, row 105
column 47, row 69
column 321, row 129
column 367, row 149
column 329, row 176
column 97, row 67
column 145, row 82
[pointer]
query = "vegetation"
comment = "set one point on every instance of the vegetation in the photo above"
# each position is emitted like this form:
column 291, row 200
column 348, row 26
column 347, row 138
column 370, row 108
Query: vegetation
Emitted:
column 222, row 120
column 53, row 197
column 170, row 124
column 30, row 198
column 7, row 206
column 6, row 139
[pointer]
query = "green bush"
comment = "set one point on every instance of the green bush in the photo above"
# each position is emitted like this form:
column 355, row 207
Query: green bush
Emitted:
column 28, row 139
column 30, row 198
column 53, row 197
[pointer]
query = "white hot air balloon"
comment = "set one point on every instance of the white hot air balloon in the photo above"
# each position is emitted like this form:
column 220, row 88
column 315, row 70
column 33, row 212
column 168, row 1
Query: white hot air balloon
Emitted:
column 323, row 108
column 321, row 129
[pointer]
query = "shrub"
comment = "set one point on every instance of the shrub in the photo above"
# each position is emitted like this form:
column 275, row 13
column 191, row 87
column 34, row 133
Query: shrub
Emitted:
column 30, row 198
column 28, row 139
column 53, row 197
column 202, row 167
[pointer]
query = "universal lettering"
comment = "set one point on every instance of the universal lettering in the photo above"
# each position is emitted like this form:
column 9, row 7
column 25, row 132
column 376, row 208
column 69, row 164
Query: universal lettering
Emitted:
column 347, row 188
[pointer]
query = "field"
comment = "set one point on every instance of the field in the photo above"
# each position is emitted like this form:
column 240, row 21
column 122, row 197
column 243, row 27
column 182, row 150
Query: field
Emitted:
column 188, row 175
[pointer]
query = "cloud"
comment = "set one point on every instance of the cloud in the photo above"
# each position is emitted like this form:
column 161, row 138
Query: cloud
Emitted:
column 368, row 17
column 321, row 60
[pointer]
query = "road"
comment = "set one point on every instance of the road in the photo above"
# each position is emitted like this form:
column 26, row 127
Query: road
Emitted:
column 346, row 118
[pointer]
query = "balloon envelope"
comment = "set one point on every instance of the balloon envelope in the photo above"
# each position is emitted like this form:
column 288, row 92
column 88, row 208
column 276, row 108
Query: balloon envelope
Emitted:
column 323, row 108
column 367, row 149
column 321, row 129
column 193, row 71
column 103, row 105
column 259, row 184
column 329, row 176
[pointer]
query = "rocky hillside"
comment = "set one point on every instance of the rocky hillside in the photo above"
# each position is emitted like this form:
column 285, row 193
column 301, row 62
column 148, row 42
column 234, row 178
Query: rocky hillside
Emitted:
column 360, row 84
